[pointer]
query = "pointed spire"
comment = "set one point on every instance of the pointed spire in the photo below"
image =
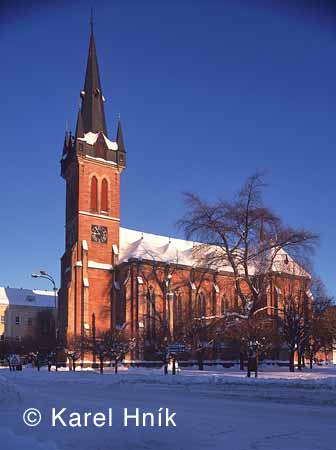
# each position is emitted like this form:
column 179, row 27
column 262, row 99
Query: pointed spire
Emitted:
column 92, row 110
column 120, row 138
column 66, row 142
column 79, row 126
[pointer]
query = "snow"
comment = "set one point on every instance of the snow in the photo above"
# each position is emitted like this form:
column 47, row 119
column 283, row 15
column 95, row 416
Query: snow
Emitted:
column 98, row 265
column 101, row 160
column 140, row 245
column 26, row 297
column 12, row 441
column 216, row 409
column 90, row 138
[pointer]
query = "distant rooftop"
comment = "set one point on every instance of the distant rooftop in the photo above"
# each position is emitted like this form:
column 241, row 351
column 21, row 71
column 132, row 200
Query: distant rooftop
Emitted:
column 26, row 297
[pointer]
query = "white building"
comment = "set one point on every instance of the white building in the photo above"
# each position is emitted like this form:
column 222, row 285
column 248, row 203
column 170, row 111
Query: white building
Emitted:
column 19, row 309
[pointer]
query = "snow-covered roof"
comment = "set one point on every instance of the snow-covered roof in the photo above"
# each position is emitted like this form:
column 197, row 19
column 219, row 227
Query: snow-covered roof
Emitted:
column 140, row 245
column 136, row 244
column 90, row 138
column 27, row 297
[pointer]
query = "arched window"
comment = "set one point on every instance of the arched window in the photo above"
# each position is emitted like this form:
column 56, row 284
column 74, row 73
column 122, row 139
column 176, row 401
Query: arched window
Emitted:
column 201, row 305
column 94, row 194
column 104, row 196
column 276, row 301
column 179, row 307
column 150, row 313
column 178, row 319
column 223, row 305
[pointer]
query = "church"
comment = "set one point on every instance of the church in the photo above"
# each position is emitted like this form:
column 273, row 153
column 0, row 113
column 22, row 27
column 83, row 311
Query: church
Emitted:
column 113, row 277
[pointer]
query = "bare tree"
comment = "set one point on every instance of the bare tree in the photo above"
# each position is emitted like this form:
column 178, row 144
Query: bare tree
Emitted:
column 294, row 323
column 322, row 328
column 97, row 346
column 113, row 344
column 73, row 351
column 199, row 336
column 247, row 238
column 256, row 336
column 118, row 344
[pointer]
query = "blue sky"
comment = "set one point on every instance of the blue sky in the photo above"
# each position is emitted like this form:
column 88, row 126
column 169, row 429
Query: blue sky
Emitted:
column 208, row 92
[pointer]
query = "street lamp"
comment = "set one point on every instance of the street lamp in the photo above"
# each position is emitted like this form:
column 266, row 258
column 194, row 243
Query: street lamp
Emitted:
column 47, row 276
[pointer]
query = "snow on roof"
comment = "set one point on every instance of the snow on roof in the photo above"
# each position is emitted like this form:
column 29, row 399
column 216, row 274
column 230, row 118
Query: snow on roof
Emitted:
column 140, row 245
column 90, row 138
column 27, row 297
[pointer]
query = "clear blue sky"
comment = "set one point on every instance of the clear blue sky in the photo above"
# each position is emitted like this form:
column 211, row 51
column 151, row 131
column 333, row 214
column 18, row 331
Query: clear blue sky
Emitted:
column 208, row 91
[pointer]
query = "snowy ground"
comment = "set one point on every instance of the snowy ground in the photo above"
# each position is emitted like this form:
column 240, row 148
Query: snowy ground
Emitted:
column 214, row 409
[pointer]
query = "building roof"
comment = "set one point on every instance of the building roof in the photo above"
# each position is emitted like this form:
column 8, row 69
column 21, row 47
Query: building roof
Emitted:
column 140, row 245
column 27, row 297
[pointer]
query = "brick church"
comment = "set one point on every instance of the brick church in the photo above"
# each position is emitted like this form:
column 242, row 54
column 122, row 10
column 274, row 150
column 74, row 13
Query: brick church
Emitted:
column 116, row 277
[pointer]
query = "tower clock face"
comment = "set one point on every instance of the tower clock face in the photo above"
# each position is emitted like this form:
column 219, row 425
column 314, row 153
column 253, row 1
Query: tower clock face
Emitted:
column 99, row 234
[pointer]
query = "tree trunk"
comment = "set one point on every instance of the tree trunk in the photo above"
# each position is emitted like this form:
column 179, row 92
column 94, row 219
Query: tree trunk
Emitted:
column 116, row 365
column 303, row 362
column 256, row 365
column 200, row 361
column 101, row 365
column 174, row 366
column 74, row 365
column 248, row 366
column 311, row 360
column 241, row 361
column 299, row 360
column 291, row 361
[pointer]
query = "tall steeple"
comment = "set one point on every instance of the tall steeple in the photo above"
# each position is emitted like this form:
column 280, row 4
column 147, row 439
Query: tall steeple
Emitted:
column 92, row 110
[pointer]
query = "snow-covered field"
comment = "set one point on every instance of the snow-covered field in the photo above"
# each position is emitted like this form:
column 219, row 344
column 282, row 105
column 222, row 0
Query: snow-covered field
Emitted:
column 214, row 409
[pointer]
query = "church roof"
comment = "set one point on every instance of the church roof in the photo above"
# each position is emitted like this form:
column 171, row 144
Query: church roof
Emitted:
column 27, row 297
column 140, row 245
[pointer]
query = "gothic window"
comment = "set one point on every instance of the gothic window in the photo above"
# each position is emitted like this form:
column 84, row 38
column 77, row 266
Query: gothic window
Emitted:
column 94, row 194
column 179, row 307
column 178, row 319
column 201, row 305
column 104, row 196
column 276, row 301
column 150, row 313
column 223, row 306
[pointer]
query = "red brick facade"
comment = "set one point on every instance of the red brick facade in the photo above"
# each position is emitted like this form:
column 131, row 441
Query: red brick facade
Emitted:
column 97, row 292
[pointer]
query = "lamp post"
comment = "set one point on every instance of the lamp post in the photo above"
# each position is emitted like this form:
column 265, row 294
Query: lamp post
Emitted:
column 47, row 276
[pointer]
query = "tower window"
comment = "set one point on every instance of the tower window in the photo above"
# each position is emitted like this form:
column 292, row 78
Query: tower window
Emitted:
column 104, row 196
column 94, row 194
column 17, row 320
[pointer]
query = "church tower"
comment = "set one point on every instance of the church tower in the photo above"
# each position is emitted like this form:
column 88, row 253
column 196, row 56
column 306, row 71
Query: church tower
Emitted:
column 91, row 166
